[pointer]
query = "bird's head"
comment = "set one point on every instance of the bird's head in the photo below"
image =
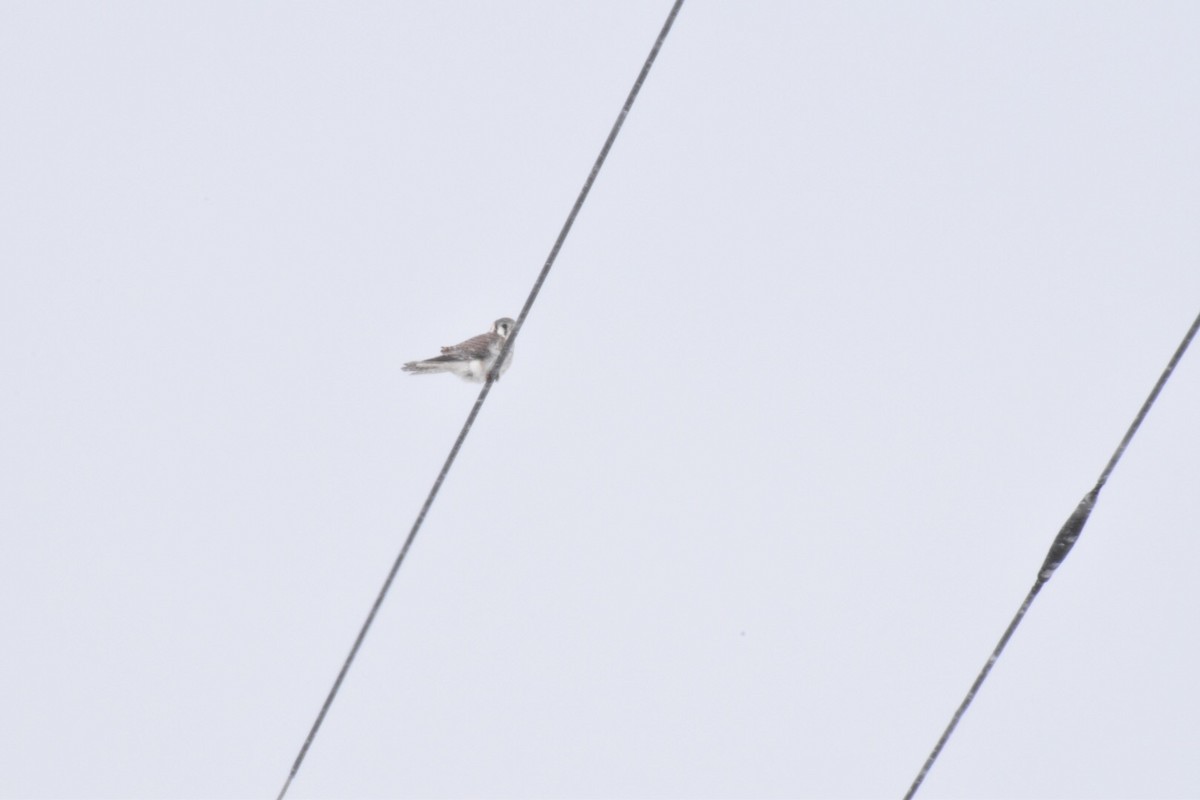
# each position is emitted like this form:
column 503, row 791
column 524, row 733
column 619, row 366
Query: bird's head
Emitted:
column 503, row 327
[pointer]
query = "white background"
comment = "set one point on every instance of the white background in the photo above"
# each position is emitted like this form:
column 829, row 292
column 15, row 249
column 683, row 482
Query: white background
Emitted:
column 859, row 307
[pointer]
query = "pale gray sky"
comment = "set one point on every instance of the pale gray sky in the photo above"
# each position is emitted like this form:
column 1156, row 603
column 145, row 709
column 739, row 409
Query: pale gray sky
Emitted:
column 862, row 302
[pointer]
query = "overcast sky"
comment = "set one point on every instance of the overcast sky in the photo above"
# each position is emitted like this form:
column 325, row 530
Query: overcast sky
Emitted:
column 859, row 307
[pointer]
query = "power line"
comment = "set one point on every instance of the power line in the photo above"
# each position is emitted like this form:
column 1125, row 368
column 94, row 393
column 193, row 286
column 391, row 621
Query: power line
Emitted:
column 1061, row 546
column 483, row 393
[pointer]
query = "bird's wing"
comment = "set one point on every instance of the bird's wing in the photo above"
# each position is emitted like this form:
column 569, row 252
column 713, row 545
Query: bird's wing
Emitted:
column 476, row 347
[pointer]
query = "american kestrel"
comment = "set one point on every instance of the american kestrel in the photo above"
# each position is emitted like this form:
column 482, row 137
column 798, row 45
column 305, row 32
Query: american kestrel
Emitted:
column 471, row 360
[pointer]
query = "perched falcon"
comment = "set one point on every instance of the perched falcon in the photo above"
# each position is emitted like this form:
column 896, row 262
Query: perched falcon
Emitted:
column 471, row 360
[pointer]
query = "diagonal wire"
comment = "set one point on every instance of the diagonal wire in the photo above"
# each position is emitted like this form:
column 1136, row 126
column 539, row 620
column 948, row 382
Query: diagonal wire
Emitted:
column 483, row 393
column 1062, row 545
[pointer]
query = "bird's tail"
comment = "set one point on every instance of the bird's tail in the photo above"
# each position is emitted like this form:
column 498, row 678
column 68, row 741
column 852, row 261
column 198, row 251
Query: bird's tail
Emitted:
column 423, row 367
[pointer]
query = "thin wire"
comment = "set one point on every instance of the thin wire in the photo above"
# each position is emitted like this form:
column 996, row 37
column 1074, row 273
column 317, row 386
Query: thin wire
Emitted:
column 483, row 393
column 1137, row 422
column 587, row 185
column 1063, row 542
column 962, row 708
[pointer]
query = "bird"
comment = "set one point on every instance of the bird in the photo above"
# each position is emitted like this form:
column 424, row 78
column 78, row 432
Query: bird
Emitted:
column 473, row 359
